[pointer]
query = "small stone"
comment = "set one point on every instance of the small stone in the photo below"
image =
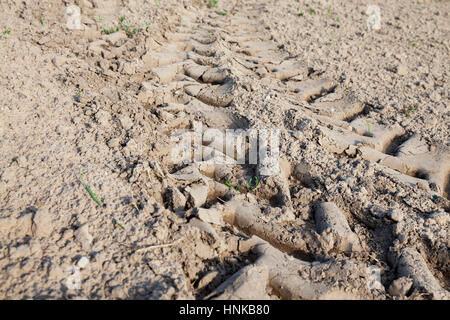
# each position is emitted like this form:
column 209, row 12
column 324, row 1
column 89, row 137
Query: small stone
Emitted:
column 203, row 226
column 401, row 70
column 83, row 262
column 209, row 215
column 396, row 215
column 126, row 122
column 207, row 279
column 302, row 172
column 118, row 293
column 59, row 61
column 176, row 200
column 113, row 143
column 204, row 251
column 115, row 38
column 128, row 68
column 102, row 117
column 400, row 286
column 19, row 252
column 435, row 96
column 42, row 223
column 83, row 237
column 22, row 161
column 44, row 40
column 6, row 225
column 198, row 194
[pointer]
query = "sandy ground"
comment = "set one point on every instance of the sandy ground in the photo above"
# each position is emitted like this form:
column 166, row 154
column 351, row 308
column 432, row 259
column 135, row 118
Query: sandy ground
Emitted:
column 358, row 210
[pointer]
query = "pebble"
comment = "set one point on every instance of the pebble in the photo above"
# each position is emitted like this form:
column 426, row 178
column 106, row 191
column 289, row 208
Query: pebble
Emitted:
column 42, row 223
column 209, row 216
column 435, row 96
column 396, row 215
column 114, row 142
column 126, row 122
column 6, row 225
column 59, row 61
column 128, row 68
column 21, row 251
column 102, row 117
column 207, row 279
column 176, row 199
column 83, row 237
column 83, row 262
column 401, row 70
column 118, row 293
column 44, row 40
column 115, row 38
column 400, row 286
column 197, row 194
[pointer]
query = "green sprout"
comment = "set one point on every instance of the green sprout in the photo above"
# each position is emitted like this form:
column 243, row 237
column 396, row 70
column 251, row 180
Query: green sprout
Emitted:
column 311, row 10
column 301, row 13
column 4, row 34
column 330, row 11
column 122, row 26
column 100, row 18
column 337, row 19
column 250, row 184
column 157, row 4
column 110, row 30
column 229, row 185
column 414, row 43
column 213, row 3
column 221, row 13
column 330, row 43
column 412, row 110
column 369, row 133
column 90, row 191
column 42, row 22
column 119, row 223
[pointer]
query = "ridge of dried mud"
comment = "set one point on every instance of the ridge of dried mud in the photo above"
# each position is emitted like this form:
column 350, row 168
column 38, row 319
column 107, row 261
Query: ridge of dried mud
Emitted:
column 345, row 205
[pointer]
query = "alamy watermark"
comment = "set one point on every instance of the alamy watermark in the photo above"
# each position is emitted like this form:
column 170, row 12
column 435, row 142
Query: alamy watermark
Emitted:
column 73, row 17
column 374, row 279
column 374, row 19
column 73, row 280
column 231, row 146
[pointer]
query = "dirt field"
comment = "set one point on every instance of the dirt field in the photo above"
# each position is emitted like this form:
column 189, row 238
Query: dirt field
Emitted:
column 95, row 96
